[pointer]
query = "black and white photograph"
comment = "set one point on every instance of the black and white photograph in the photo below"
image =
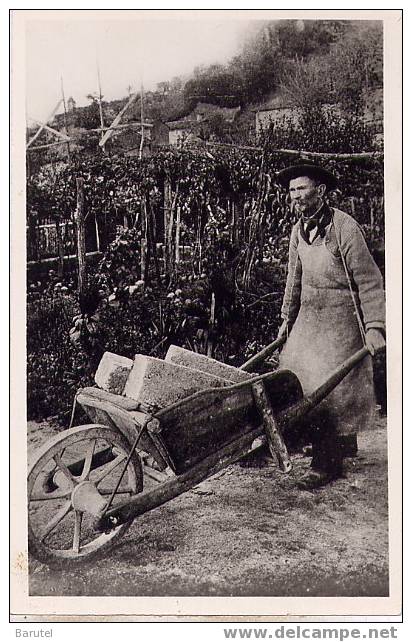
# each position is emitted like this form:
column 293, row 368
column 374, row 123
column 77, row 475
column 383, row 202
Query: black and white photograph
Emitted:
column 208, row 210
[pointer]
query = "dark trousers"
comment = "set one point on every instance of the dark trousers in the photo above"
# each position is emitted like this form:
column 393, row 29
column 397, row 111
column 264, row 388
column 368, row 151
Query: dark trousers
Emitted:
column 327, row 451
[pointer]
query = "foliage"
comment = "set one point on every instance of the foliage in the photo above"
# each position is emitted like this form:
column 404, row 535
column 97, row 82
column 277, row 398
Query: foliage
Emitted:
column 89, row 116
column 306, row 83
column 309, row 58
column 319, row 129
column 55, row 368
column 134, row 320
column 204, row 305
column 225, row 206
column 345, row 74
column 216, row 85
column 356, row 66
column 303, row 38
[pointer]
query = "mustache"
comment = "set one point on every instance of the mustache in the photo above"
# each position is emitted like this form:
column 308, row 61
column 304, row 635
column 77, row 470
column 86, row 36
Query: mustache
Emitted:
column 295, row 205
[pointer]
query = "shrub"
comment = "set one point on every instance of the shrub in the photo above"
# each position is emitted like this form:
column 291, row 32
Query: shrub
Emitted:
column 202, row 303
column 54, row 368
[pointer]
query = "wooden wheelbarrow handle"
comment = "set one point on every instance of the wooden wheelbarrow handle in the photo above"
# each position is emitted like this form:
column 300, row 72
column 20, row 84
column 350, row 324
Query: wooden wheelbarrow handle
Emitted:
column 258, row 358
column 274, row 426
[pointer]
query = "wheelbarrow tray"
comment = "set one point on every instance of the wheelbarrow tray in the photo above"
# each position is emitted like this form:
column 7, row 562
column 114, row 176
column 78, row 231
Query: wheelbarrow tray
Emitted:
column 190, row 430
column 185, row 433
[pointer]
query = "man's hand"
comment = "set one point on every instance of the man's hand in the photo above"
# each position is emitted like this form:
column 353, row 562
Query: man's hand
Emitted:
column 374, row 340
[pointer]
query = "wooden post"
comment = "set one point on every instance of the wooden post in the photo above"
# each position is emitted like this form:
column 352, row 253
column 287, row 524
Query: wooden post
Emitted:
column 44, row 125
column 167, row 210
column 65, row 121
column 143, row 241
column 141, row 124
column 79, row 217
column 233, row 231
column 60, row 249
column 96, row 225
column 152, row 237
column 277, row 446
column 177, row 249
column 32, row 240
column 117, row 120
column 100, row 107
column 210, row 341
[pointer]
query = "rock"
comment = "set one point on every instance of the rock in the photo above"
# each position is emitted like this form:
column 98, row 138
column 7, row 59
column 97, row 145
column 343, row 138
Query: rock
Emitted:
column 112, row 373
column 159, row 383
column 189, row 359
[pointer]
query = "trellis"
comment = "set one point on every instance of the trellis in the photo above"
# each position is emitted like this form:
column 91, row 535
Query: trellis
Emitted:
column 161, row 224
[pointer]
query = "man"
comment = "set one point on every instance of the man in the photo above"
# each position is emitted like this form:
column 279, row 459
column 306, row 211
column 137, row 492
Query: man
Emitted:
column 333, row 304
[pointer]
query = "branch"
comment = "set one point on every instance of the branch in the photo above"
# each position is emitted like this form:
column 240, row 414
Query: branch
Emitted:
column 301, row 152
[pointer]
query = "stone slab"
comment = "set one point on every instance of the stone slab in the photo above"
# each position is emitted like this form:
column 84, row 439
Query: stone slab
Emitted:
column 189, row 359
column 159, row 383
column 112, row 373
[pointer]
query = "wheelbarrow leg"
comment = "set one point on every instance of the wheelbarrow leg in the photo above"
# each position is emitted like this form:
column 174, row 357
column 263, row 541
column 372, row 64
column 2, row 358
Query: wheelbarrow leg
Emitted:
column 276, row 443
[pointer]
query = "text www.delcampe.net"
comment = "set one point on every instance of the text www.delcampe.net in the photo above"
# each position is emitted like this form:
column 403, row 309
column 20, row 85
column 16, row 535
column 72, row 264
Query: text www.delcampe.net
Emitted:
column 299, row 632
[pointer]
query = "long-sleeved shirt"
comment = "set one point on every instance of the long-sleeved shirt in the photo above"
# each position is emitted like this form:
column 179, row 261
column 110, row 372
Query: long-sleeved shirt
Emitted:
column 343, row 237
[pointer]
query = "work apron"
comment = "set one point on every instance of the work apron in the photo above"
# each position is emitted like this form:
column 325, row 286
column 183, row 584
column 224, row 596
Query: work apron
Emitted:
column 325, row 333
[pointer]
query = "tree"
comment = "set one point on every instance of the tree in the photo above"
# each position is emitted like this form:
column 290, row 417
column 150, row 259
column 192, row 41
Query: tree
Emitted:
column 356, row 65
column 307, row 83
column 176, row 84
column 89, row 117
column 216, row 127
column 260, row 64
column 303, row 38
column 215, row 84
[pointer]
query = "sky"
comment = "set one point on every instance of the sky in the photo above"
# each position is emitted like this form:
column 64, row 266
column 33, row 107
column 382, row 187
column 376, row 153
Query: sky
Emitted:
column 127, row 51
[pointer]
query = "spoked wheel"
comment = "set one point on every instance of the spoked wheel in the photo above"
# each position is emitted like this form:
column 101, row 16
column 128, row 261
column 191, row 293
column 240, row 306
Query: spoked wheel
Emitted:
column 70, row 481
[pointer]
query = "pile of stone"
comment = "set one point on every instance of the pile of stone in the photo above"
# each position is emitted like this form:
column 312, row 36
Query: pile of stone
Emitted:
column 159, row 383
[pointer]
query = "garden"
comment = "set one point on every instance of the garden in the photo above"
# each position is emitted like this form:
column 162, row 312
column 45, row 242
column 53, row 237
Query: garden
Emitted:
column 193, row 246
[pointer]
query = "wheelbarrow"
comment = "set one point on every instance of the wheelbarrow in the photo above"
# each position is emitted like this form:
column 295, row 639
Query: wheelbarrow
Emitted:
column 88, row 484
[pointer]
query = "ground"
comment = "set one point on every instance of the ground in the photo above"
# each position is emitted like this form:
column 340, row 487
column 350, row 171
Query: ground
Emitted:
column 248, row 532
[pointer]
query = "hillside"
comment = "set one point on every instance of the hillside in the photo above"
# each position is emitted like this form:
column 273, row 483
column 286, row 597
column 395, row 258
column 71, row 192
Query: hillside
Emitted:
column 306, row 63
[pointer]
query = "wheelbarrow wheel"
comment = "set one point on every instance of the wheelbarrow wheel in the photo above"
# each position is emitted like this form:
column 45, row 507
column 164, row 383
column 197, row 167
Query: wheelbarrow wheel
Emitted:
column 69, row 482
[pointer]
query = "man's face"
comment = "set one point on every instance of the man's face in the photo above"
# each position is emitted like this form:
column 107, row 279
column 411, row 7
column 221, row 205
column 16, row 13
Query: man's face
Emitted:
column 305, row 194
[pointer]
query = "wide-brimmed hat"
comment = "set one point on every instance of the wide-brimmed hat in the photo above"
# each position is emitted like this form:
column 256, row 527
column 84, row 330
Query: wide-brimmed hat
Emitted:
column 311, row 171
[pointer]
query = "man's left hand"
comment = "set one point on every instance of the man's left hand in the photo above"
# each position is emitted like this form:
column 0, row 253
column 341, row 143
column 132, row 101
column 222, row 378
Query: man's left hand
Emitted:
column 374, row 340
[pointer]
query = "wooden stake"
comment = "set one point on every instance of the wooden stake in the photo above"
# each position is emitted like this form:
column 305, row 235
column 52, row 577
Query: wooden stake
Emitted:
column 65, row 120
column 143, row 241
column 64, row 137
column 39, row 131
column 58, row 142
column 79, row 217
column 100, row 106
column 117, row 120
column 167, row 207
column 298, row 152
column 97, row 233
column 151, row 238
column 141, row 123
column 177, row 249
column 60, row 249
column 210, row 341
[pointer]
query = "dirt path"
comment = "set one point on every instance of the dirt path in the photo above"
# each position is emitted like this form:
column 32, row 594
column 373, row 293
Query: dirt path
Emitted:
column 247, row 532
